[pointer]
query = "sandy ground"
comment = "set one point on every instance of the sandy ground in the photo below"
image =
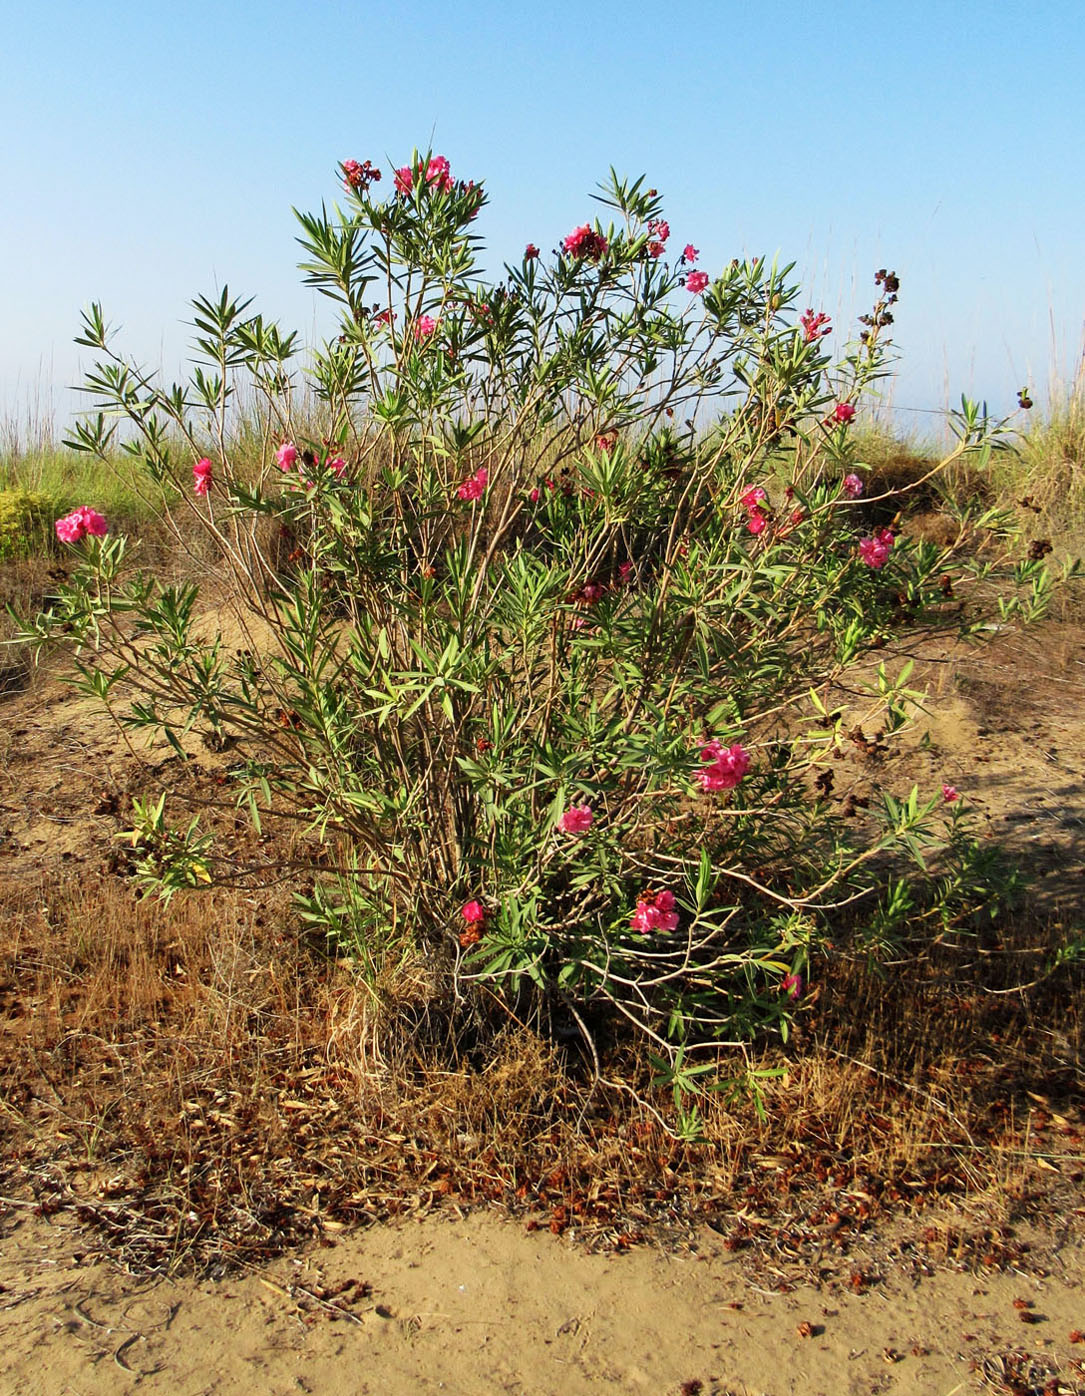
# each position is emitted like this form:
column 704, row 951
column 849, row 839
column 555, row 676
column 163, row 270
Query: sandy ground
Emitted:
column 477, row 1305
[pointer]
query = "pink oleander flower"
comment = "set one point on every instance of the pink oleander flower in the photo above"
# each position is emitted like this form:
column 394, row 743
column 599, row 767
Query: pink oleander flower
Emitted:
column 404, row 180
column 696, row 282
column 286, row 457
column 949, row 793
column 726, row 765
column 438, row 173
column 585, row 244
column 853, row 486
column 655, row 912
column 201, row 477
column 843, row 412
column 384, row 317
column 757, row 522
column 660, row 228
column 534, row 495
column 79, row 523
column 336, row 465
column 606, row 442
column 474, row 488
column 753, row 498
column 875, row 551
column 625, row 571
column 589, row 593
column 656, row 249
column 689, row 254
column 424, row 327
column 815, row 326
column 473, row 912
column 93, row 522
column 576, row 820
column 530, row 252
column 791, row 985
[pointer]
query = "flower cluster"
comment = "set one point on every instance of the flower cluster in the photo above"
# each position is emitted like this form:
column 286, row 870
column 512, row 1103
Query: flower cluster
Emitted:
column 475, row 487
column 79, row 523
column 875, row 551
column 791, row 984
column 815, row 326
column 585, row 244
column 288, row 457
column 359, row 177
column 435, row 175
column 752, row 501
column 853, row 486
column 424, row 326
column 697, row 281
column 475, row 915
column 590, row 593
column 577, row 819
column 660, row 231
column 201, row 477
column 689, row 254
column 843, row 412
column 726, row 765
column 530, row 252
column 655, row 912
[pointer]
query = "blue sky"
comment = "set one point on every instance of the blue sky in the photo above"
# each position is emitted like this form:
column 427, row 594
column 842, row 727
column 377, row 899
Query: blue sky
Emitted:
column 153, row 152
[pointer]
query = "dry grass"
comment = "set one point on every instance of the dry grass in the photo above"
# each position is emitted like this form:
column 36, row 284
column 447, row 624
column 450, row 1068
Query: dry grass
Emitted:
column 1048, row 465
column 203, row 1087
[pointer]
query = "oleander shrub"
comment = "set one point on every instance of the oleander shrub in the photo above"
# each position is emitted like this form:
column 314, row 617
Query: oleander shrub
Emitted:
column 556, row 601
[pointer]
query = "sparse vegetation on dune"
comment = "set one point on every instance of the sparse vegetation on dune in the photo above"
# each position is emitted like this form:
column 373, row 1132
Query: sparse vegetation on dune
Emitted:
column 508, row 793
